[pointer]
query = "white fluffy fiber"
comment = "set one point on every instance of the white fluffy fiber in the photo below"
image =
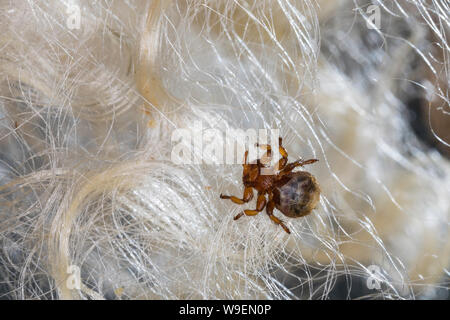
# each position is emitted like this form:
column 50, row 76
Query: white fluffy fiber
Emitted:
column 87, row 115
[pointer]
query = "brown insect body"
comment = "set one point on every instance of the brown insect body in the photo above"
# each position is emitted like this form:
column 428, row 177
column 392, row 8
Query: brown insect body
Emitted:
column 299, row 196
column 295, row 194
column 262, row 184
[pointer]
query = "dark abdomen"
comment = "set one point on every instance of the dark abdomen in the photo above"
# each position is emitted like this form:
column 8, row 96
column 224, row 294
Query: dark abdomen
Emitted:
column 299, row 196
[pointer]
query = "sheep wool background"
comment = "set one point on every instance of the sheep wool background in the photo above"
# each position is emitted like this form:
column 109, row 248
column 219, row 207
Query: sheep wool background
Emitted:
column 94, row 95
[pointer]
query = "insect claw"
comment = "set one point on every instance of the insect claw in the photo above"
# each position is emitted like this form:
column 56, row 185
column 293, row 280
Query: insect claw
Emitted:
column 285, row 228
column 238, row 216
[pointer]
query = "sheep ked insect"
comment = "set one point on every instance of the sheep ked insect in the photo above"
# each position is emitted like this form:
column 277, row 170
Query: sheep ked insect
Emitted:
column 295, row 194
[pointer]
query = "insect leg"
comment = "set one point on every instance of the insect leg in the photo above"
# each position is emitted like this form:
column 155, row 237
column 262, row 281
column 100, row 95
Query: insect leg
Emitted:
column 267, row 157
column 284, row 155
column 269, row 210
column 299, row 163
column 245, row 157
column 260, row 204
column 248, row 195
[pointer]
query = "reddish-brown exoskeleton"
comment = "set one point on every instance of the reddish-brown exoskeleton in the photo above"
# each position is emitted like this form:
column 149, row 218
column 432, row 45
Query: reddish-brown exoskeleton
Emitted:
column 295, row 194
